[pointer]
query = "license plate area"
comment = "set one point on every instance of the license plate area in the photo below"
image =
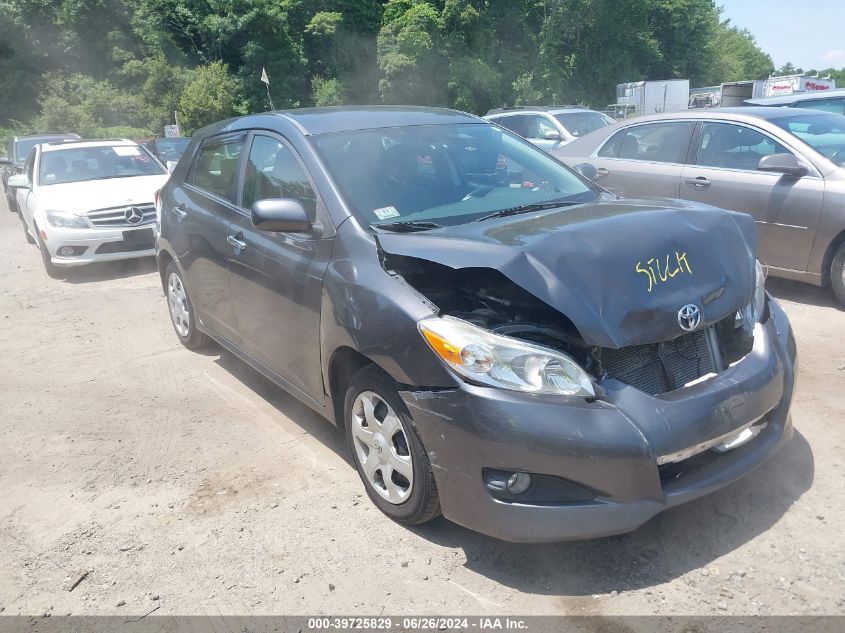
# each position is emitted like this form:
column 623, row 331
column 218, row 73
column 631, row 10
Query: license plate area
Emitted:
column 140, row 237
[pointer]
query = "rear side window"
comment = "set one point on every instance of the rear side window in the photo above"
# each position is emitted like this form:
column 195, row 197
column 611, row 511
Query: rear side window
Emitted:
column 517, row 123
column 273, row 171
column 611, row 147
column 217, row 168
column 657, row 142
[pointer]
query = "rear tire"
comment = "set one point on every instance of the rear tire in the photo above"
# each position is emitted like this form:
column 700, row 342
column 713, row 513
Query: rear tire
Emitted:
column 182, row 310
column 387, row 451
column 837, row 275
column 52, row 270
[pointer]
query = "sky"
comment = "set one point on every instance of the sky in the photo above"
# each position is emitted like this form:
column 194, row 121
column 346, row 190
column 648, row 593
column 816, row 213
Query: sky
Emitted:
column 808, row 33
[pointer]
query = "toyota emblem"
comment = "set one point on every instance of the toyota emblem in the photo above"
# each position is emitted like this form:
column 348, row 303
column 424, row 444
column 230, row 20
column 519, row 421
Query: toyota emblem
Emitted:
column 134, row 215
column 689, row 317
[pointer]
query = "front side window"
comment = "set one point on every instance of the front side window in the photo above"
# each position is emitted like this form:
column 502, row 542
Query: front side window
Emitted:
column 516, row 123
column 29, row 168
column 581, row 123
column 539, row 126
column 272, row 171
column 734, row 146
column 217, row 168
column 657, row 142
column 444, row 174
column 825, row 133
column 77, row 164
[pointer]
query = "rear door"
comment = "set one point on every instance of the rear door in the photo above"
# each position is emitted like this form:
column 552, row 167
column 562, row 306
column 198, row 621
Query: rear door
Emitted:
column 724, row 173
column 645, row 160
column 277, row 278
column 201, row 215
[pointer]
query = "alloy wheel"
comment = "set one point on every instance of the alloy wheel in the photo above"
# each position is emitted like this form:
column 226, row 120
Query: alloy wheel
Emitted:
column 177, row 300
column 382, row 448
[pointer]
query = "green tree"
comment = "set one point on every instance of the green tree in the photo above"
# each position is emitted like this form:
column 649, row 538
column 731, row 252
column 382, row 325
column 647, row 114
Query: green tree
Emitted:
column 211, row 95
column 737, row 56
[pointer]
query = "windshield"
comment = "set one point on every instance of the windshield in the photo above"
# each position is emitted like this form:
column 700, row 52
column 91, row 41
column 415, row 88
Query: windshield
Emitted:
column 444, row 174
column 825, row 133
column 171, row 148
column 581, row 123
column 96, row 163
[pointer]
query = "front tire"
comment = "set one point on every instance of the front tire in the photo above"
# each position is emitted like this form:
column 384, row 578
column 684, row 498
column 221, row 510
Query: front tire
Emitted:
column 837, row 274
column 388, row 453
column 53, row 271
column 182, row 310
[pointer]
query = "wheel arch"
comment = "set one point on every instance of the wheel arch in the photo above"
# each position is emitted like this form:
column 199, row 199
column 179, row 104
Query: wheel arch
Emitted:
column 830, row 252
column 344, row 363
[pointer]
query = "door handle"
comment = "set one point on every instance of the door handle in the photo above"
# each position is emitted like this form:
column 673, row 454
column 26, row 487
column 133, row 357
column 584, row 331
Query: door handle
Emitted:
column 179, row 212
column 701, row 181
column 601, row 171
column 235, row 243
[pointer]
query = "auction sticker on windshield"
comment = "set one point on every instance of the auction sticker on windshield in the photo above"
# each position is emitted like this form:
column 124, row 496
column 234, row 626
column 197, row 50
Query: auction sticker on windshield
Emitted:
column 386, row 212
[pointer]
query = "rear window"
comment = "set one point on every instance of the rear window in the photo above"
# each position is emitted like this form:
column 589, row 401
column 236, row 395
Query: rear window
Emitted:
column 217, row 168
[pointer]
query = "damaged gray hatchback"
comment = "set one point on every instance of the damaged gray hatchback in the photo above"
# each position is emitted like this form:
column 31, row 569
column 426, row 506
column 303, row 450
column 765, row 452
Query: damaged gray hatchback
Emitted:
column 501, row 340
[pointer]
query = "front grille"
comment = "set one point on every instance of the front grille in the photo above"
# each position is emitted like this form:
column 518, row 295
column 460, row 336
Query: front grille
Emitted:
column 660, row 367
column 116, row 216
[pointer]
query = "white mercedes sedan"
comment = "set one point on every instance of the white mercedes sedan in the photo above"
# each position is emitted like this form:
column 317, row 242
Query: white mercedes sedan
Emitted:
column 89, row 201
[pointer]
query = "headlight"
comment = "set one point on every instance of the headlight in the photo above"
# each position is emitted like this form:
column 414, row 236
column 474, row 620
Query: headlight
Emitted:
column 501, row 361
column 65, row 220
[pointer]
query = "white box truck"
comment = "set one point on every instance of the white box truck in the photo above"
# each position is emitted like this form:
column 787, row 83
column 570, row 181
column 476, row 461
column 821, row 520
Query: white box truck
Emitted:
column 788, row 84
column 650, row 97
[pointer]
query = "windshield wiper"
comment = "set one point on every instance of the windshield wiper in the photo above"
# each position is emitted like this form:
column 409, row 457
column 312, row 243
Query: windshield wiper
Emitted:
column 527, row 208
column 408, row 226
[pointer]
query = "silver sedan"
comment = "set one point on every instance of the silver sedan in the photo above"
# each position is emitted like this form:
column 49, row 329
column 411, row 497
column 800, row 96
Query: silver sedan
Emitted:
column 785, row 167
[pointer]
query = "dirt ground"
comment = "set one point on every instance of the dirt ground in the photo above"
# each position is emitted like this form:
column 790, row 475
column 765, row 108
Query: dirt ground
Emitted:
column 190, row 483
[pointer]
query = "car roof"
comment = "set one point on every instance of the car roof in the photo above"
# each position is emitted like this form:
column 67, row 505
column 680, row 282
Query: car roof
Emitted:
column 52, row 147
column 797, row 96
column 729, row 114
column 47, row 136
column 558, row 109
column 328, row 120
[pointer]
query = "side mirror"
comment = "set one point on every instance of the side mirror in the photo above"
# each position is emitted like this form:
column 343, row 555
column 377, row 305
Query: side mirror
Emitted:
column 4, row 160
column 551, row 135
column 785, row 164
column 587, row 170
column 280, row 214
column 19, row 181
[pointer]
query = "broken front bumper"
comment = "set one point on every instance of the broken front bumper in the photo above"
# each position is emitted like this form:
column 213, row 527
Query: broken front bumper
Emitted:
column 602, row 463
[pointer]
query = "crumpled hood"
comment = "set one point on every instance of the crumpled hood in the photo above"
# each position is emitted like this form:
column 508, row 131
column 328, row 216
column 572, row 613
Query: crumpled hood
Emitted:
column 620, row 270
column 89, row 195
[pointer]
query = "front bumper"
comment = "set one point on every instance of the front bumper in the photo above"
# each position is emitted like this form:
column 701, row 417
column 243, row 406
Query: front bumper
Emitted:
column 609, row 447
column 100, row 245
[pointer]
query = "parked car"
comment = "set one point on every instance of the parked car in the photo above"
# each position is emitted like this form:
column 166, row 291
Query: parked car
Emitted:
column 168, row 150
column 549, row 127
column 18, row 150
column 786, row 167
column 500, row 339
column 89, row 201
column 827, row 100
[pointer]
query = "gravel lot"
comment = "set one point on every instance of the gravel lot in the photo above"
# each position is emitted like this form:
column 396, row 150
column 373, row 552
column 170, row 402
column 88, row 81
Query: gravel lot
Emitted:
column 190, row 483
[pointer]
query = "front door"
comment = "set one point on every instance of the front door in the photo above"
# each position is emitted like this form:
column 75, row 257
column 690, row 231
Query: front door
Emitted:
column 201, row 215
column 277, row 278
column 787, row 210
